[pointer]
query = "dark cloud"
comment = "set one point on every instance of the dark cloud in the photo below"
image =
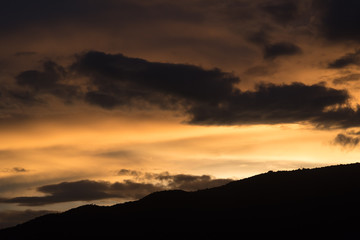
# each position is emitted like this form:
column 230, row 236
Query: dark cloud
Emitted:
column 64, row 192
column 261, row 37
column 127, row 172
column 88, row 190
column 282, row 12
column 339, row 19
column 85, row 190
column 346, row 60
column 207, row 97
column 346, row 141
column 272, row 104
column 342, row 117
column 191, row 182
column 348, row 78
column 11, row 218
column 19, row 169
column 121, row 79
column 14, row 170
column 185, row 182
column 272, row 51
column 47, row 81
column 103, row 99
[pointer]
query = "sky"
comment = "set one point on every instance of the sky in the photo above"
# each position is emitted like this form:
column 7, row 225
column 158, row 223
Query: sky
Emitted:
column 103, row 102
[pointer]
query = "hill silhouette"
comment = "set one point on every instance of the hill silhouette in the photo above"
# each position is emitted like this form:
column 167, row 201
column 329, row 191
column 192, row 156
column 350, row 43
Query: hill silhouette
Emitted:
column 308, row 203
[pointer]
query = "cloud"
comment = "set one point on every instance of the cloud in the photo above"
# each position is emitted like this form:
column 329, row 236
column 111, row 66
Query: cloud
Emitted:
column 116, row 154
column 348, row 78
column 11, row 218
column 272, row 51
column 85, row 190
column 346, row 141
column 282, row 12
column 338, row 19
column 88, row 190
column 205, row 96
column 272, row 104
column 346, row 60
column 260, row 37
column 14, row 170
column 342, row 117
column 47, row 81
column 127, row 172
column 185, row 182
column 209, row 97
column 19, row 169
column 191, row 182
column 120, row 80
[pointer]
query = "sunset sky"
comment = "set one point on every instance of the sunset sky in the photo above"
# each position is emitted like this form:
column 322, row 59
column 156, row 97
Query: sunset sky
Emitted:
column 107, row 101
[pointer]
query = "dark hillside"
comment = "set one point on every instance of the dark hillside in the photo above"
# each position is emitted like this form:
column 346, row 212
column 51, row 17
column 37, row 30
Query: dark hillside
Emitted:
column 302, row 203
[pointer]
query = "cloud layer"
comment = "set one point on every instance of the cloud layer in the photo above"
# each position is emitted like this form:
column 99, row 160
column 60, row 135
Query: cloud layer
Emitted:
column 205, row 96
column 88, row 190
column 276, row 29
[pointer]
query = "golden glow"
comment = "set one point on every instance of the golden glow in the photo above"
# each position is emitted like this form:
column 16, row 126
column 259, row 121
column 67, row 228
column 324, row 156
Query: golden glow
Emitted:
column 98, row 148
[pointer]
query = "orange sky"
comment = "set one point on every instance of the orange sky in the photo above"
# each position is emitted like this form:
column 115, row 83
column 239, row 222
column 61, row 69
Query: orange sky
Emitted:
column 73, row 108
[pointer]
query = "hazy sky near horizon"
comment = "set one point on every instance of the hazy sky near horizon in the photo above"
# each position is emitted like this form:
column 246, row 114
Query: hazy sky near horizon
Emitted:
column 107, row 101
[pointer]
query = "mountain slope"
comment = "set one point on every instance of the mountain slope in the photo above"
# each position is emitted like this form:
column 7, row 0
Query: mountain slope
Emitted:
column 322, row 201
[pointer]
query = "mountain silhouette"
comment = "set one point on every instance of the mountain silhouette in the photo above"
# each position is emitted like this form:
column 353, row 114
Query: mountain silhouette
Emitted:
column 312, row 203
